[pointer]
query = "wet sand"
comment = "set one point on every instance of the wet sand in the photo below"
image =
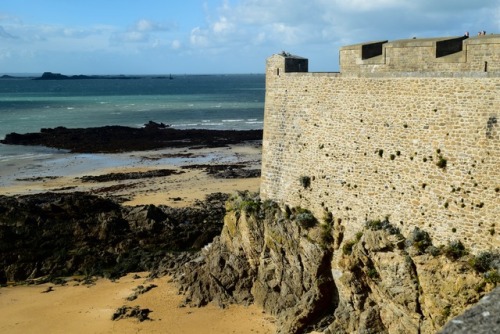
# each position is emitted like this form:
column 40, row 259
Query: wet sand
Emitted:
column 62, row 173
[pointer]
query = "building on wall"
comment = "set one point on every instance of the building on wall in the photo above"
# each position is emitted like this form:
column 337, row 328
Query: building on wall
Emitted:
column 408, row 130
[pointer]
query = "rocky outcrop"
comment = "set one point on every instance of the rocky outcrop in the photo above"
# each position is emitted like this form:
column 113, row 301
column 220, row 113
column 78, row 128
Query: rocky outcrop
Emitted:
column 112, row 139
column 276, row 259
column 303, row 271
column 483, row 318
column 50, row 235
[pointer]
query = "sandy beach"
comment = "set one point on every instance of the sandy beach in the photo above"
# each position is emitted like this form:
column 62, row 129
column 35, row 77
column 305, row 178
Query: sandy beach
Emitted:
column 78, row 308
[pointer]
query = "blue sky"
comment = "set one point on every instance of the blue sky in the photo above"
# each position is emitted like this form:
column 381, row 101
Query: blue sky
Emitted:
column 215, row 36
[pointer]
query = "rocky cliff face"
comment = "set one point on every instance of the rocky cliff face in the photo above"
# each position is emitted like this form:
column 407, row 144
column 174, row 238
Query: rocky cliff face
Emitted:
column 303, row 272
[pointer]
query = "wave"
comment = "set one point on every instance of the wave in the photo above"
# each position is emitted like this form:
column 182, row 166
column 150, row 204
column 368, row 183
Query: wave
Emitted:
column 232, row 120
column 26, row 156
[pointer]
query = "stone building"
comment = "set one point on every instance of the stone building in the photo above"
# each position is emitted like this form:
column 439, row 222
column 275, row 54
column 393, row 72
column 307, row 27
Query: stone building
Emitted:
column 408, row 131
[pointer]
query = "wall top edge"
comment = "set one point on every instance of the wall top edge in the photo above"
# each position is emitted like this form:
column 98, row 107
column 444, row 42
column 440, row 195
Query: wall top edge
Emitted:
column 399, row 74
column 416, row 42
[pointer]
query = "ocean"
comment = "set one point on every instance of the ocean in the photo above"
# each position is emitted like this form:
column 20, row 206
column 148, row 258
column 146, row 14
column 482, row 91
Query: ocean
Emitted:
column 186, row 101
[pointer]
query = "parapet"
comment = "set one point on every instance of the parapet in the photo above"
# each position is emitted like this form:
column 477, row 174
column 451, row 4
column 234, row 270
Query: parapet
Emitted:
column 285, row 62
column 444, row 54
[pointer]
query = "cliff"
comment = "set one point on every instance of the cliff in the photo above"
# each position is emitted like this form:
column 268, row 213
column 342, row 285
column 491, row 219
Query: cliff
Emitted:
column 284, row 260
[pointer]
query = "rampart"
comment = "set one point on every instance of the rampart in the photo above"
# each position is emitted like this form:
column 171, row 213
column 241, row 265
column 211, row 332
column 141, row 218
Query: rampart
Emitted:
column 414, row 138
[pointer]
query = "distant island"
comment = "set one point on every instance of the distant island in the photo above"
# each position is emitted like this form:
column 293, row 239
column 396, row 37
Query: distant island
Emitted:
column 59, row 76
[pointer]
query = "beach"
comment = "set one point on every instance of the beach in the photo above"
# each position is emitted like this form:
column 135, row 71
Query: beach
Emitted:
column 63, row 172
column 78, row 308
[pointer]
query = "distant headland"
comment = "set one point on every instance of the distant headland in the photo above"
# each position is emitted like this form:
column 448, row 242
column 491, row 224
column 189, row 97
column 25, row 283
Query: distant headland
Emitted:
column 59, row 76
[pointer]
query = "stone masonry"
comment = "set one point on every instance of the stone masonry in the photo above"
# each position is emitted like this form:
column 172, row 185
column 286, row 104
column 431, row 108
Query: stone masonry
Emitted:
column 420, row 147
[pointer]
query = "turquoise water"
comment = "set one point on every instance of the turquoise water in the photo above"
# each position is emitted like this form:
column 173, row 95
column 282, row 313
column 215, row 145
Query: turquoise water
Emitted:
column 191, row 101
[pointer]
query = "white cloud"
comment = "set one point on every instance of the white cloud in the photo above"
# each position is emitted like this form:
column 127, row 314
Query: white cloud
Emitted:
column 142, row 31
column 199, row 38
column 367, row 5
column 176, row 44
column 222, row 26
column 132, row 37
column 144, row 25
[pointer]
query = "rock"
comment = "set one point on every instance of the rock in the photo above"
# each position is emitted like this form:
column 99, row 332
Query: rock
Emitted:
column 65, row 234
column 261, row 257
column 130, row 176
column 123, row 312
column 110, row 139
column 377, row 283
column 482, row 318
column 49, row 289
column 141, row 290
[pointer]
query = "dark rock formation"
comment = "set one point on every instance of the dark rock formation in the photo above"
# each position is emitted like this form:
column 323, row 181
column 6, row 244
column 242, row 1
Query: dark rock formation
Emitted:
column 129, row 176
column 231, row 171
column 141, row 289
column 110, row 139
column 123, row 312
column 483, row 318
column 55, row 235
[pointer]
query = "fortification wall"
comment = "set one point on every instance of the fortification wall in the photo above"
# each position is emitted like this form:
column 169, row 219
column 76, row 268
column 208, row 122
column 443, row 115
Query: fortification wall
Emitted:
column 452, row 54
column 370, row 146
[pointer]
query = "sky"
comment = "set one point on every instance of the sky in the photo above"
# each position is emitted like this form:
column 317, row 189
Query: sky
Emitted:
column 215, row 36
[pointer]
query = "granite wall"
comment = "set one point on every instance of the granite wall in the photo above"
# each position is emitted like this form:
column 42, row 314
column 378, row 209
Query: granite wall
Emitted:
column 421, row 150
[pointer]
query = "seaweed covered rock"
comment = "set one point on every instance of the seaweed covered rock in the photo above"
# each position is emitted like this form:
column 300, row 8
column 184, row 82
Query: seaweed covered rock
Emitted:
column 63, row 234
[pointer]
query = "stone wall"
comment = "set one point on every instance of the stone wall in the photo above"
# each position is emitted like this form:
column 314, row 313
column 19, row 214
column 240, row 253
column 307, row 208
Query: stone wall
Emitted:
column 451, row 54
column 420, row 150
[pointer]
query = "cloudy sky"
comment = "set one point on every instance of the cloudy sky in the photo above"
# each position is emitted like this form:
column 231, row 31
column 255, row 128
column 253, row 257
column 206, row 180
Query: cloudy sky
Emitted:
column 215, row 36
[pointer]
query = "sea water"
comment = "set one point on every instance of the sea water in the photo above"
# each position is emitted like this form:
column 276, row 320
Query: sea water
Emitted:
column 185, row 101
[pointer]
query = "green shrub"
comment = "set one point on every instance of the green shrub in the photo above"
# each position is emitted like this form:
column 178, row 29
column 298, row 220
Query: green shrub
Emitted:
column 441, row 162
column 419, row 239
column 372, row 273
column 348, row 246
column 249, row 206
column 483, row 261
column 376, row 225
column 446, row 311
column 492, row 276
column 433, row 250
column 328, row 218
column 455, row 250
column 305, row 218
column 305, row 181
